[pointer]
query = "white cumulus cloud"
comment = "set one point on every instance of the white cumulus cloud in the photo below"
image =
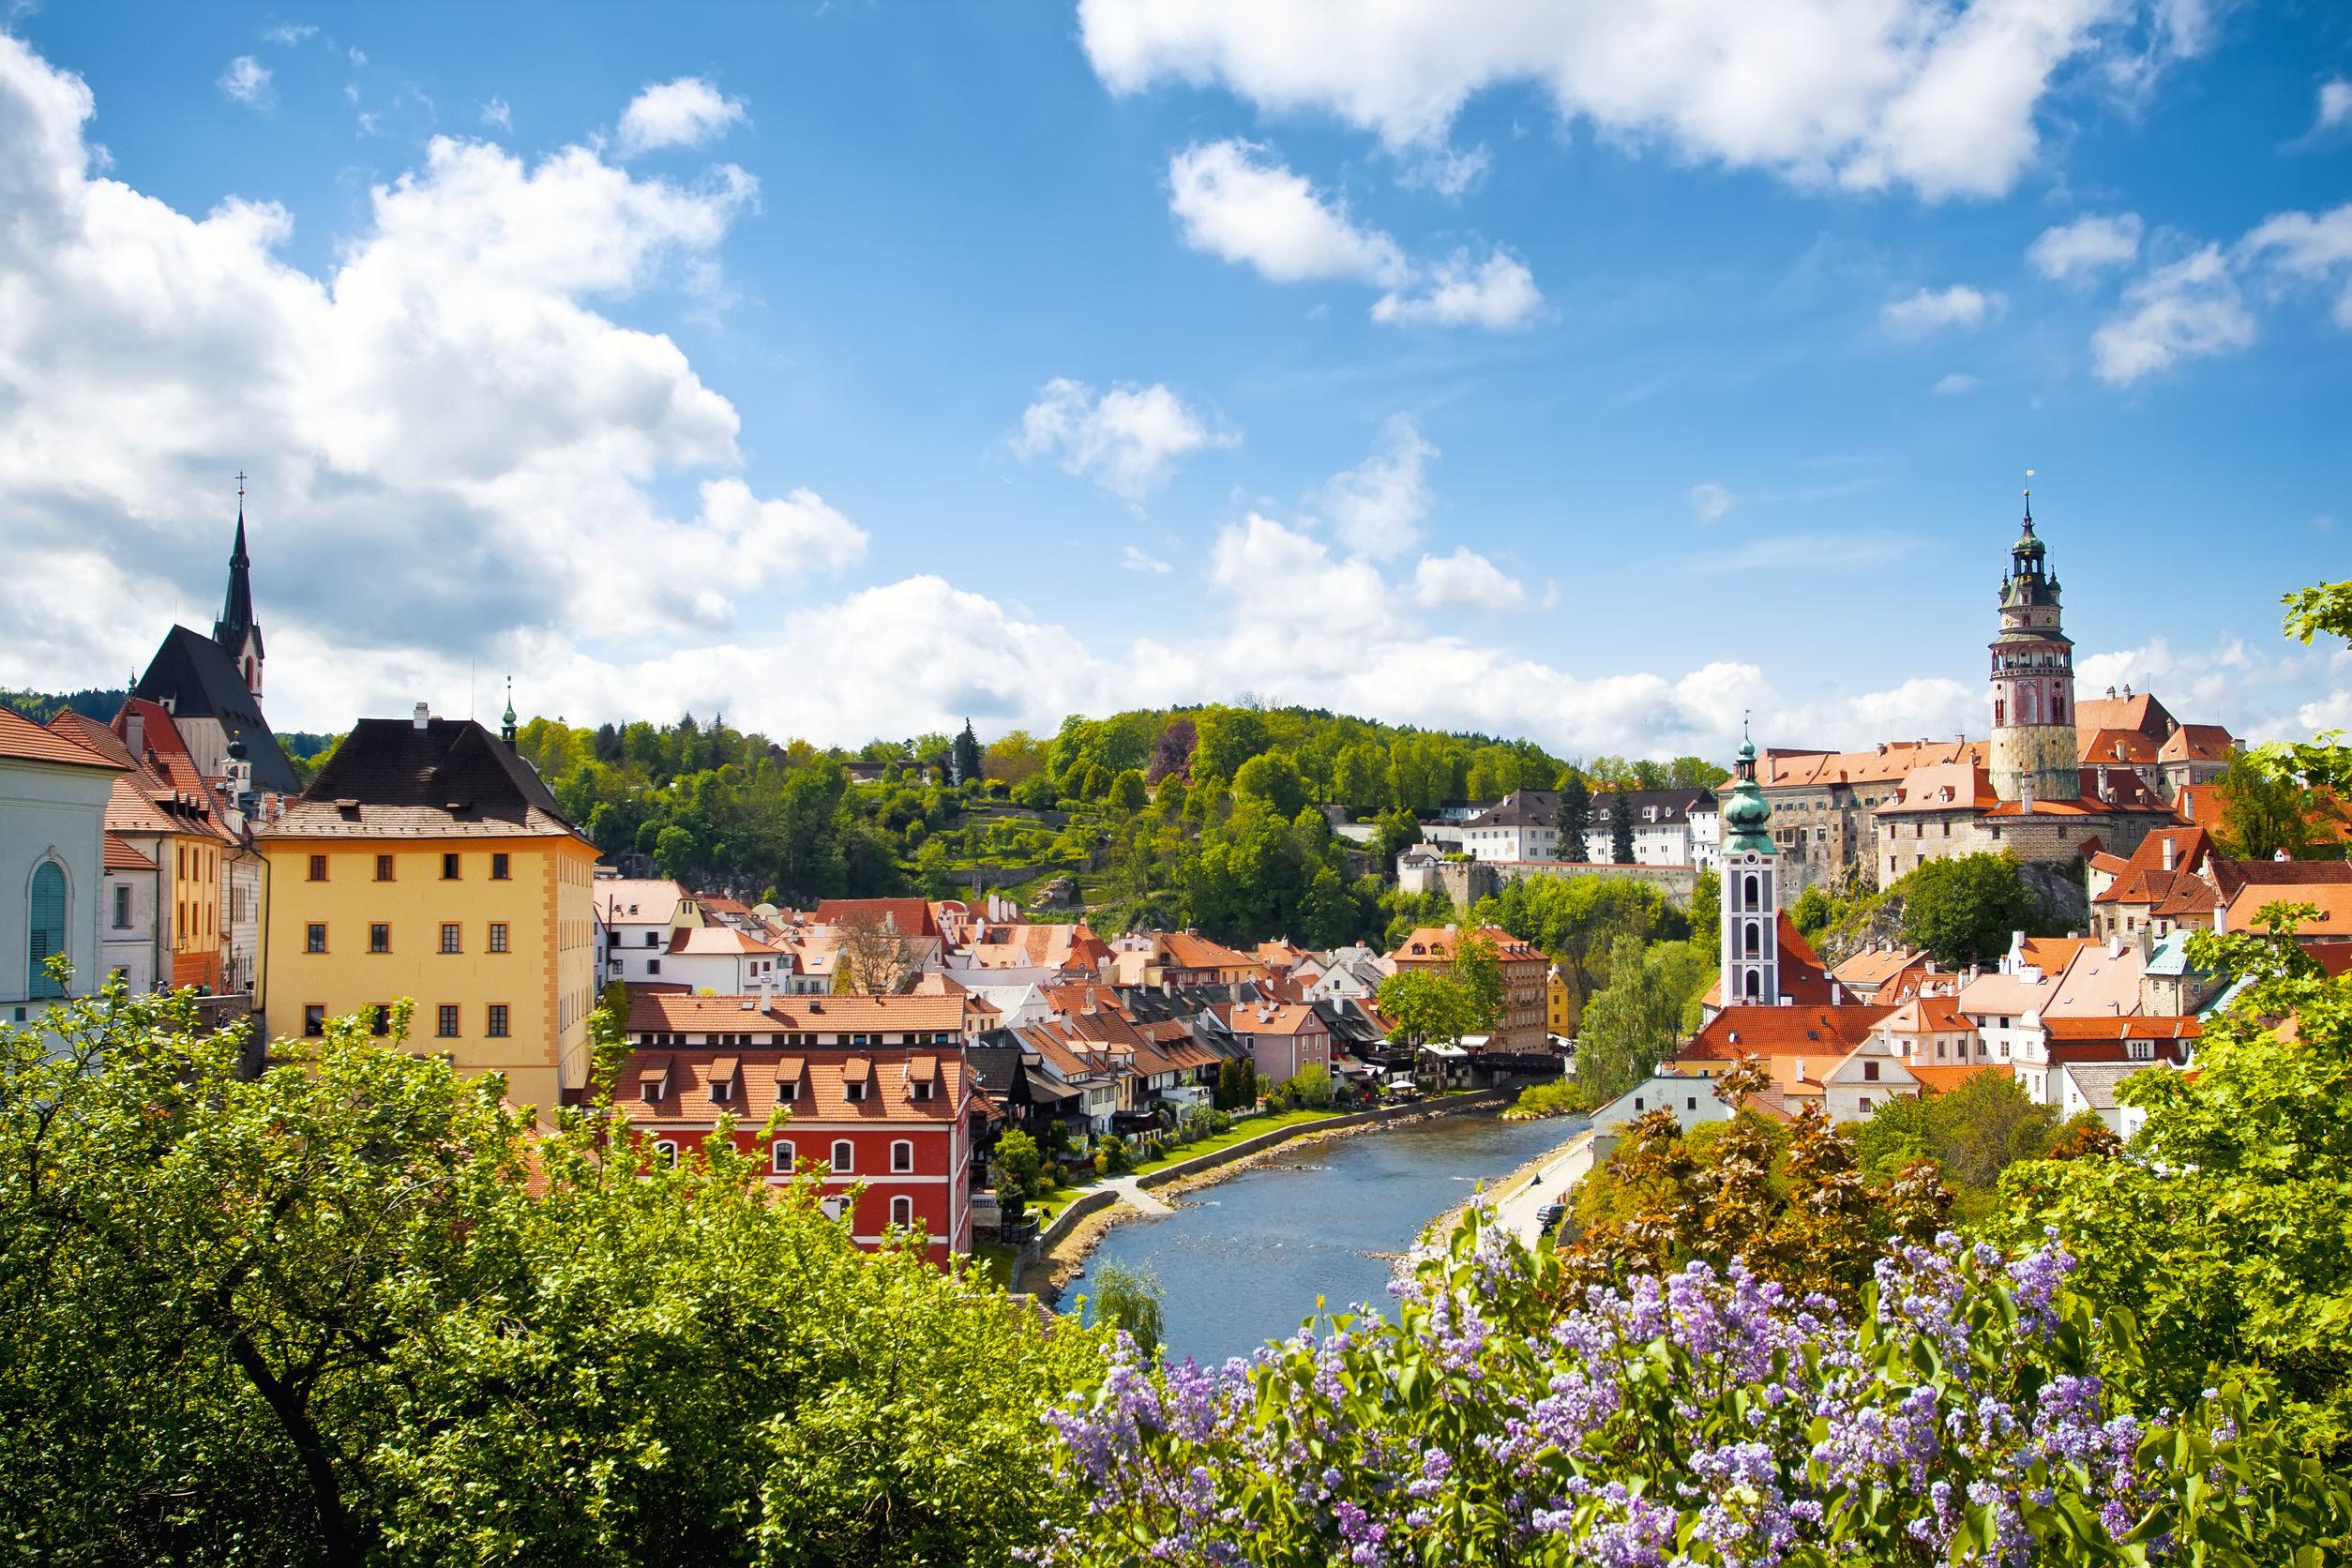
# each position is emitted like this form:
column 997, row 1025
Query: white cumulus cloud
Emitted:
column 1954, row 385
column 1234, row 201
column 685, row 112
column 1126, row 440
column 1933, row 310
column 1376, row 506
column 1939, row 97
column 1134, row 558
column 246, row 81
column 1711, row 500
column 1465, row 581
column 1498, row 293
column 2087, row 246
column 2188, row 309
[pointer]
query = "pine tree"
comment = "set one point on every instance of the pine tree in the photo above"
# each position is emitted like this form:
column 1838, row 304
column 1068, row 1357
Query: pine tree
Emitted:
column 1620, row 830
column 1574, row 818
column 967, row 756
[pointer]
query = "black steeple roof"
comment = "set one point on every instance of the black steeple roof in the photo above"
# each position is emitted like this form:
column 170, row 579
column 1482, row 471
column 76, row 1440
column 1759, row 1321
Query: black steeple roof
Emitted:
column 236, row 608
column 195, row 675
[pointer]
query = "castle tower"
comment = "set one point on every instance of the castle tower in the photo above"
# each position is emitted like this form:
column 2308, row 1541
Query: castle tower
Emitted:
column 236, row 631
column 1751, row 912
column 2035, row 755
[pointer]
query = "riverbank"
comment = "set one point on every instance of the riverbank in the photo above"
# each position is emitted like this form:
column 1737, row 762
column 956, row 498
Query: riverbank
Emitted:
column 1505, row 1194
column 1063, row 1255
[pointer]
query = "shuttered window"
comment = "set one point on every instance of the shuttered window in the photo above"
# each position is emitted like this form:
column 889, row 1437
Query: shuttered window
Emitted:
column 47, row 927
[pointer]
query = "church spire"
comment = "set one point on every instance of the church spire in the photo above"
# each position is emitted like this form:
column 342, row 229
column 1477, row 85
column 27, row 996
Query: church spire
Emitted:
column 506, row 719
column 236, row 631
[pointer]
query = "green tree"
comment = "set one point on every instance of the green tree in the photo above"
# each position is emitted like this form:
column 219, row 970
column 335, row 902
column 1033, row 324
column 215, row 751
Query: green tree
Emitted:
column 968, row 762
column 1127, row 1298
column 1706, row 905
column 1633, row 1021
column 360, row 1309
column 1360, row 778
column 1126, row 793
column 1621, row 828
column 1019, row 1161
column 1394, row 833
column 1228, row 738
column 1479, row 969
column 1962, row 911
column 1311, row 1086
column 1813, row 911
column 1273, row 778
column 1573, row 816
column 2265, row 812
column 1428, row 1004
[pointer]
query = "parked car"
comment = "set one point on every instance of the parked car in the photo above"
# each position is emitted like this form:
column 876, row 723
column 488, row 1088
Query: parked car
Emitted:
column 1547, row 1218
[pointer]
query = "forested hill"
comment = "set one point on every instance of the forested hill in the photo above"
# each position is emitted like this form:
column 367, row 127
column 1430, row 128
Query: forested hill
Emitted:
column 1206, row 817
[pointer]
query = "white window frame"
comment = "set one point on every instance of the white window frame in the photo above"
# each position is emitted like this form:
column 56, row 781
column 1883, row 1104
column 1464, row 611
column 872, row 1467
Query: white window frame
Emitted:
column 666, row 1149
column 780, row 1157
column 902, row 1205
column 901, row 1156
column 844, row 1160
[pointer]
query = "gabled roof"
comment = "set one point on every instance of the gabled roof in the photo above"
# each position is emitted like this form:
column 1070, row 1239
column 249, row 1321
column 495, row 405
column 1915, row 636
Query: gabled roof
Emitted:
column 27, row 741
column 1039, row 946
column 1288, row 1018
column 1888, row 760
column 2124, row 747
column 680, row 1014
column 1432, row 944
column 1796, row 1030
column 2154, row 1027
column 129, row 810
column 2197, row 743
column 2140, row 711
column 1875, row 966
column 909, row 917
column 717, row 942
column 1943, row 1080
column 1191, row 950
column 392, row 778
column 123, row 856
column 684, row 1076
column 2332, row 900
column 636, row 900
column 201, row 681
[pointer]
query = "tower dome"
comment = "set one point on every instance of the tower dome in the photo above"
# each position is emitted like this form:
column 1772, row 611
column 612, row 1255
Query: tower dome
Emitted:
column 1745, row 811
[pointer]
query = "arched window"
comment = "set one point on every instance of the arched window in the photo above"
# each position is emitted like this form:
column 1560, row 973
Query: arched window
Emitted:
column 780, row 1157
column 47, row 926
column 1752, row 903
column 843, row 1160
column 902, row 1213
column 1755, row 984
column 2001, row 711
column 1754, row 940
column 666, row 1152
column 902, row 1156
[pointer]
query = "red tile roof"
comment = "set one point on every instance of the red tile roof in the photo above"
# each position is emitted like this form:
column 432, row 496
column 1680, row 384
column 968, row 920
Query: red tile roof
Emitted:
column 2137, row 1026
column 1429, row 944
column 1793, row 1030
column 909, row 917
column 803, row 1014
column 1882, row 764
column 25, row 741
column 702, row 940
column 121, row 856
column 1943, row 1080
column 683, row 1077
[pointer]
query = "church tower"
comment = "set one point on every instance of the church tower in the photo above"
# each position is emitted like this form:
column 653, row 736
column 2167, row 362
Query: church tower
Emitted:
column 1751, row 911
column 2035, row 755
column 236, row 631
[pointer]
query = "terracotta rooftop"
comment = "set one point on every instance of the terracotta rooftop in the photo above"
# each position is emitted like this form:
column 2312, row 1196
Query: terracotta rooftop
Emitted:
column 1738, row 1031
column 681, row 1079
column 27, row 741
column 803, row 1014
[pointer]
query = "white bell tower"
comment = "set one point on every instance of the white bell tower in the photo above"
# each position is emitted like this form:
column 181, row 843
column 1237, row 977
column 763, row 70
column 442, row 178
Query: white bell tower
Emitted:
column 1751, row 901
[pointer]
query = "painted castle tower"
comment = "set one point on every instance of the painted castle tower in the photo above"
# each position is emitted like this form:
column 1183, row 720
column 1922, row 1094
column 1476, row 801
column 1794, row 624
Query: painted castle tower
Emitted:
column 2035, row 756
column 1751, row 913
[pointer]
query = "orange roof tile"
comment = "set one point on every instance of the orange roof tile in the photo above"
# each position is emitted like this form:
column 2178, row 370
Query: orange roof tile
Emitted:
column 121, row 856
column 1943, row 1080
column 25, row 741
column 684, row 1076
column 1882, row 764
column 1743, row 1030
column 679, row 1014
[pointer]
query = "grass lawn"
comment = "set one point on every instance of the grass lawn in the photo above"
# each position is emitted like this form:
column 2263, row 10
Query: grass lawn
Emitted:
column 1240, row 1130
column 993, row 1262
column 1048, row 1208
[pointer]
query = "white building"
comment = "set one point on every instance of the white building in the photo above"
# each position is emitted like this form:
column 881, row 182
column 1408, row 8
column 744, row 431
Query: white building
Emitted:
column 126, row 923
column 1690, row 1096
column 721, row 961
column 639, row 915
column 52, row 864
column 1670, row 827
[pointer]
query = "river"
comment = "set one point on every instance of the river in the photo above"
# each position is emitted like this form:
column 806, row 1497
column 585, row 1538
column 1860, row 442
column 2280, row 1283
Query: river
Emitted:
column 1241, row 1263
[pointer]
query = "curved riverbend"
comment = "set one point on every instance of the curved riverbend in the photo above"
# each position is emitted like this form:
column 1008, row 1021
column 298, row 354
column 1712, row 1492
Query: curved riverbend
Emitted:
column 1242, row 1261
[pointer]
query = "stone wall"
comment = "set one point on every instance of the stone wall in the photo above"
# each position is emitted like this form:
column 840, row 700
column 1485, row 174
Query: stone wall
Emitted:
column 1466, row 882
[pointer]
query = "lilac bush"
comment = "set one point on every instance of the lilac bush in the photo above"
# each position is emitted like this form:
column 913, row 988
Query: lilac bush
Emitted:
column 1700, row 1418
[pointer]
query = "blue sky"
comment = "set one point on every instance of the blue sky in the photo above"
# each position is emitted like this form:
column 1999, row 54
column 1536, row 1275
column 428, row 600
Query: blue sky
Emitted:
column 854, row 367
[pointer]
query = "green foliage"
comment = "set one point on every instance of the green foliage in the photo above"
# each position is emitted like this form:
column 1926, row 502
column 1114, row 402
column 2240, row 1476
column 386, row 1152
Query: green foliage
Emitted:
column 1964, row 911
column 1310, row 1086
column 1272, row 776
column 1019, row 1164
column 2227, row 1227
column 1428, row 1006
column 1973, row 1133
column 1578, row 920
column 1480, row 972
column 1705, row 913
column 1126, row 1298
column 1573, row 816
column 2267, row 810
column 1126, row 793
column 360, row 1310
column 1620, row 829
column 1813, row 911
column 1632, row 1024
column 1565, row 1096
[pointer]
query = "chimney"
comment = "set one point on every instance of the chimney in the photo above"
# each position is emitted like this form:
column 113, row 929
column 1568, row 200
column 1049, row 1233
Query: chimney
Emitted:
column 2172, row 853
column 424, row 716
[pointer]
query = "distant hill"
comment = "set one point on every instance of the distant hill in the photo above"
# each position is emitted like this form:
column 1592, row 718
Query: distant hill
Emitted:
column 42, row 706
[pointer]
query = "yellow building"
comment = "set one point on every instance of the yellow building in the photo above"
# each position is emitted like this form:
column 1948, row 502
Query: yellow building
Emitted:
column 1559, row 1010
column 427, row 860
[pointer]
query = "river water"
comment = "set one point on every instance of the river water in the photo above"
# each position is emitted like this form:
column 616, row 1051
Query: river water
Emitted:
column 1242, row 1261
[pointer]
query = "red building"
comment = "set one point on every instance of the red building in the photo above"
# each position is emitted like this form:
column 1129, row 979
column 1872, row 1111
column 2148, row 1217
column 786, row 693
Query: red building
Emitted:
column 894, row 1122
